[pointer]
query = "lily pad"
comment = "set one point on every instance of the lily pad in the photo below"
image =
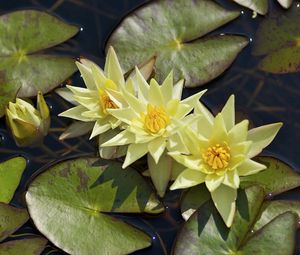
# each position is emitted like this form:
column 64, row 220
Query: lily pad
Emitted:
column 277, row 178
column 76, row 196
column 28, row 246
column 206, row 233
column 278, row 41
column 11, row 218
column 10, row 175
column 174, row 32
column 261, row 6
column 24, row 70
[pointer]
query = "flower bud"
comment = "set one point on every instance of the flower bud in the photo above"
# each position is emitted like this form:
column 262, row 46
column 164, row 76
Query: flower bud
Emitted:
column 28, row 125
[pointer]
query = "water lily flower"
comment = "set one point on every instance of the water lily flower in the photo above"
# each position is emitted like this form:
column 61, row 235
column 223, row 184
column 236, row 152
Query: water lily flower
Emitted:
column 94, row 100
column 219, row 152
column 27, row 124
column 149, row 120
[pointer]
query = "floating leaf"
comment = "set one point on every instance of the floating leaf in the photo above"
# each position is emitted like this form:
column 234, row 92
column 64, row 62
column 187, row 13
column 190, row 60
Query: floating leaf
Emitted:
column 173, row 37
column 23, row 71
column 206, row 233
column 274, row 208
column 261, row 6
column 278, row 40
column 277, row 178
column 11, row 218
column 10, row 175
column 28, row 246
column 77, row 194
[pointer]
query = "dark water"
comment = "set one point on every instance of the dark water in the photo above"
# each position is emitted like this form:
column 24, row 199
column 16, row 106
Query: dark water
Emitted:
column 261, row 97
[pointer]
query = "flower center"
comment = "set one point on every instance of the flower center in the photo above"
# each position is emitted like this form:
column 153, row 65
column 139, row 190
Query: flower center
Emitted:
column 106, row 102
column 217, row 157
column 155, row 119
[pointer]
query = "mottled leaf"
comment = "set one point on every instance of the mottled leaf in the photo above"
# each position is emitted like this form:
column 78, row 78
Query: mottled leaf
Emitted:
column 76, row 195
column 24, row 71
column 278, row 41
column 171, row 30
column 28, row 246
column 205, row 232
column 10, row 175
column 277, row 178
column 11, row 218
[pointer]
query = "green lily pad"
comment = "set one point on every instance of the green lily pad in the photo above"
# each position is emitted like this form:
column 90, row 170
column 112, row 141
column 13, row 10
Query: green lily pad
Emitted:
column 10, row 175
column 173, row 31
column 28, row 246
column 11, row 218
column 77, row 194
column 206, row 233
column 24, row 70
column 274, row 208
column 277, row 178
column 278, row 41
column 261, row 6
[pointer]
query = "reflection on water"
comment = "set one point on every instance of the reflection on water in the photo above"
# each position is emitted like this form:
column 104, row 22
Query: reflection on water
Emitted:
column 261, row 97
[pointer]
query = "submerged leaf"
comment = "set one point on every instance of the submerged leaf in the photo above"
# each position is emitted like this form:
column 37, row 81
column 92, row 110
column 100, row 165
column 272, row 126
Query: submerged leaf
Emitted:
column 11, row 218
column 10, row 175
column 23, row 71
column 28, row 246
column 173, row 37
column 76, row 193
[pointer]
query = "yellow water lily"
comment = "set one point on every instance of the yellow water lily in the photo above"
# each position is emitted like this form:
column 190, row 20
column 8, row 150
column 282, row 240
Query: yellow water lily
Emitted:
column 28, row 125
column 150, row 117
column 219, row 152
column 95, row 100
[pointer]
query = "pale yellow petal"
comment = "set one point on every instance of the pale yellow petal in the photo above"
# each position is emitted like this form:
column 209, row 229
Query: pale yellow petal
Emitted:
column 250, row 167
column 224, row 199
column 177, row 90
column 189, row 161
column 188, row 178
column 124, row 137
column 167, row 87
column 99, row 128
column 75, row 113
column 135, row 152
column 87, row 76
column 202, row 110
column 219, row 132
column 155, row 96
column 262, row 137
column 228, row 113
column 156, row 148
column 125, row 115
column 213, row 181
column 194, row 99
column 239, row 132
column 232, row 179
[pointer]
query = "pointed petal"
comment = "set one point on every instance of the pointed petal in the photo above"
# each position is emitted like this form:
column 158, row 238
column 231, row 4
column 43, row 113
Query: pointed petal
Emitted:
column 228, row 113
column 219, row 132
column 167, row 87
column 142, row 86
column 177, row 89
column 190, row 162
column 160, row 172
column 75, row 113
column 113, row 69
column 134, row 152
column 262, row 137
column 194, row 99
column 136, row 104
column 232, row 179
column 155, row 94
column 157, row 148
column 202, row 110
column 224, row 199
column 67, row 95
column 98, row 75
column 239, row 132
column 126, row 115
column 86, row 75
column 122, row 138
column 99, row 128
column 188, row 178
column 250, row 167
column 213, row 181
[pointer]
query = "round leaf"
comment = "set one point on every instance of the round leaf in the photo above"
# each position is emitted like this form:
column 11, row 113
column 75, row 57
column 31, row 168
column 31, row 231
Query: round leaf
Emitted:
column 11, row 218
column 171, row 37
column 23, row 33
column 75, row 194
column 277, row 178
column 10, row 175
column 29, row 246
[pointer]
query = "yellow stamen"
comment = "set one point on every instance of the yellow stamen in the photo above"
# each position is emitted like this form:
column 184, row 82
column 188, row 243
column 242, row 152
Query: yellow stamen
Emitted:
column 155, row 119
column 106, row 102
column 217, row 157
